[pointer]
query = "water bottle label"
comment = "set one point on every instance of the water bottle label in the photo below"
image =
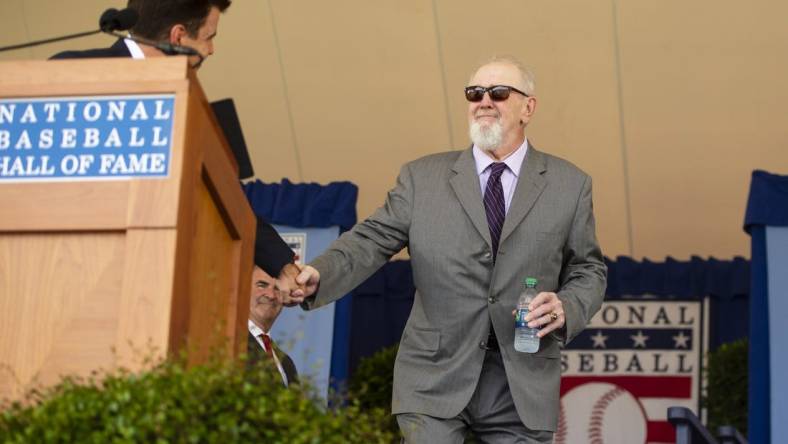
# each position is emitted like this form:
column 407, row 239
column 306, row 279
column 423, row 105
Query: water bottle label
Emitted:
column 519, row 318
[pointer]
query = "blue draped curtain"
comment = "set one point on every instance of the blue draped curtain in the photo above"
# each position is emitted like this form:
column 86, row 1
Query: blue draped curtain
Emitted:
column 304, row 205
column 311, row 205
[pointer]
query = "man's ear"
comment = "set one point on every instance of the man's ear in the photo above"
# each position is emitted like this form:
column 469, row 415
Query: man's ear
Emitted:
column 177, row 32
column 528, row 109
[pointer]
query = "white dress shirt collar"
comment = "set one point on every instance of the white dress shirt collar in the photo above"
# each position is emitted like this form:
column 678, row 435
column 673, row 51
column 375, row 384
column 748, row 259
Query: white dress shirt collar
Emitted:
column 255, row 330
column 510, row 175
column 134, row 49
column 514, row 160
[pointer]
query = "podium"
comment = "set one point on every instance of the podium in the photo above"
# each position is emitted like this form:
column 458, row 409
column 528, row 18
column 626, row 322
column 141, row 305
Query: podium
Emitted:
column 124, row 233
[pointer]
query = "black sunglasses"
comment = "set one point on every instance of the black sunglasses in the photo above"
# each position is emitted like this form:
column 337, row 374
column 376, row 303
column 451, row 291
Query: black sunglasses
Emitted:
column 498, row 93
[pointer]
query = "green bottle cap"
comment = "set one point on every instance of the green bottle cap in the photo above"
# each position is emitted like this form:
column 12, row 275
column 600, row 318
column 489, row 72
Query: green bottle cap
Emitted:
column 530, row 282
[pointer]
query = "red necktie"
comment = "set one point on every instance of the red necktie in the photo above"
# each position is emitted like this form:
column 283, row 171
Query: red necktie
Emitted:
column 267, row 344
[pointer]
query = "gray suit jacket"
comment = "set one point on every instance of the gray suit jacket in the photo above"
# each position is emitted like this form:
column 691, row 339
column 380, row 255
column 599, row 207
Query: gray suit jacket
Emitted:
column 436, row 210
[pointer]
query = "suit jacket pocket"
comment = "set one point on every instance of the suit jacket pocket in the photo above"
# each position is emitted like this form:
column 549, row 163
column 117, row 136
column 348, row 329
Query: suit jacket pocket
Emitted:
column 548, row 348
column 422, row 339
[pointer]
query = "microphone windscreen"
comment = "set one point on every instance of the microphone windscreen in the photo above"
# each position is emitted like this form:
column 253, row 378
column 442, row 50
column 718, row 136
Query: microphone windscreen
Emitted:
column 106, row 19
column 114, row 20
column 126, row 19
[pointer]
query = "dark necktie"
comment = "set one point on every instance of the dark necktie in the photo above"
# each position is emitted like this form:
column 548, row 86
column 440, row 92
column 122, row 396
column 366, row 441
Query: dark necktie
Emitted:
column 267, row 344
column 494, row 205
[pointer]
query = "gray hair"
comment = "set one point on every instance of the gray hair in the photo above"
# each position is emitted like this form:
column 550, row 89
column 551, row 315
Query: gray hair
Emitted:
column 526, row 74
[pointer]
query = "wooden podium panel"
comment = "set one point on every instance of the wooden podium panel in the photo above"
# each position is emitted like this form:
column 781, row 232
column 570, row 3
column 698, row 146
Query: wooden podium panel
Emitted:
column 105, row 272
column 54, row 291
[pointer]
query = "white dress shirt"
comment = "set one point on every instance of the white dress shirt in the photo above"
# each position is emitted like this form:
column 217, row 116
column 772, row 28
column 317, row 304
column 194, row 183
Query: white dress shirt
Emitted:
column 509, row 176
column 256, row 332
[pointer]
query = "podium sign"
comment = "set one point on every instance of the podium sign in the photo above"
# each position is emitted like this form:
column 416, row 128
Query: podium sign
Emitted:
column 80, row 138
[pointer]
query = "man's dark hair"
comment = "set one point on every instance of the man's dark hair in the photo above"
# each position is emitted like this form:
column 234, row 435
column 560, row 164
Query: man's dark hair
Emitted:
column 157, row 17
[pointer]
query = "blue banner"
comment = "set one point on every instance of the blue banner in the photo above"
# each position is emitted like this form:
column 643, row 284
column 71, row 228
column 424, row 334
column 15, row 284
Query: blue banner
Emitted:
column 78, row 138
column 777, row 282
column 766, row 221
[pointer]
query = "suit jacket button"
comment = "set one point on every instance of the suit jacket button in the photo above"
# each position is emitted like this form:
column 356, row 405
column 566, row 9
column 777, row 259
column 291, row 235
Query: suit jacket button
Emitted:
column 488, row 256
column 491, row 300
column 482, row 345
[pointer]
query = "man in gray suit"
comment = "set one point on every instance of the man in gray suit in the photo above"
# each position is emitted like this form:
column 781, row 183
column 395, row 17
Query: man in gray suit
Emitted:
column 476, row 223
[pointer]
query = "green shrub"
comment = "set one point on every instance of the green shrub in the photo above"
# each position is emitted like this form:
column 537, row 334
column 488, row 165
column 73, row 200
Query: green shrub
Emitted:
column 216, row 402
column 726, row 397
column 372, row 381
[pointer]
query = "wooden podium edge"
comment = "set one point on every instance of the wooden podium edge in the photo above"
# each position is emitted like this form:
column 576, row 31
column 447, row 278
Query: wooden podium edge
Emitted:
column 211, row 166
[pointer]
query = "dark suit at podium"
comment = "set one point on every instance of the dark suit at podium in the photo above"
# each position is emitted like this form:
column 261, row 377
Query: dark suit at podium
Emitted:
column 271, row 252
column 119, row 49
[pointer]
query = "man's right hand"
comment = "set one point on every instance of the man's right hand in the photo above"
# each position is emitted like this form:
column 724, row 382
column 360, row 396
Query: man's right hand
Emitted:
column 308, row 281
column 292, row 293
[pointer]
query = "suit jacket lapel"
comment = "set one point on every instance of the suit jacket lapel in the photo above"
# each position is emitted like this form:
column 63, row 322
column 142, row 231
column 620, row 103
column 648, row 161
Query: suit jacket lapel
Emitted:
column 289, row 367
column 120, row 49
column 530, row 185
column 256, row 353
column 466, row 186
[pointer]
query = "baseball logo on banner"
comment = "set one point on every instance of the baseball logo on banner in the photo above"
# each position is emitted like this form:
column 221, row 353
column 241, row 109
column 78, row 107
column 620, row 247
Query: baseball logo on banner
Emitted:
column 619, row 376
column 297, row 243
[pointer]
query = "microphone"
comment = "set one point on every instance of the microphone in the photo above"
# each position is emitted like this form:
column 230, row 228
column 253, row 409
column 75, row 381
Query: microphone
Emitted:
column 113, row 20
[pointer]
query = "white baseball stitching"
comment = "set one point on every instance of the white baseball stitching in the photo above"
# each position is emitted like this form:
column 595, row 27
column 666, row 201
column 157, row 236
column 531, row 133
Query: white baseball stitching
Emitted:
column 598, row 413
column 560, row 434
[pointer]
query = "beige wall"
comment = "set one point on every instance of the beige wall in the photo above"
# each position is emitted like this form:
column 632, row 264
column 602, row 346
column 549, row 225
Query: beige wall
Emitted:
column 668, row 104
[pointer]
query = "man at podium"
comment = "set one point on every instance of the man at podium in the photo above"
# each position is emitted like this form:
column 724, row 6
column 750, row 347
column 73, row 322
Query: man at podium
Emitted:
column 193, row 25
column 185, row 24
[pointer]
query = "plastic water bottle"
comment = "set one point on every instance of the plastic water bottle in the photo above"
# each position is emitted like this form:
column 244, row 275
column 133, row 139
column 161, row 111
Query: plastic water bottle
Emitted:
column 525, row 339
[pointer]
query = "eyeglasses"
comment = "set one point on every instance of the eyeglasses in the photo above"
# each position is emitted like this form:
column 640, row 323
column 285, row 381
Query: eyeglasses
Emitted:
column 498, row 93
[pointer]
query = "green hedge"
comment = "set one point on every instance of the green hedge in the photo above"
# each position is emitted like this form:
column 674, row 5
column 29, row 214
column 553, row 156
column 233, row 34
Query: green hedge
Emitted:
column 229, row 403
column 372, row 382
column 217, row 402
column 726, row 393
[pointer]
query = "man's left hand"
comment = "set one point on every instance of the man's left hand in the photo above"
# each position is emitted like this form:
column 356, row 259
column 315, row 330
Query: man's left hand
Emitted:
column 546, row 312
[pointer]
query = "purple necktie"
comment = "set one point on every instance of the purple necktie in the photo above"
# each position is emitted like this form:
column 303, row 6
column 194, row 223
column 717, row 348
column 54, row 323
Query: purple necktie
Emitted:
column 494, row 204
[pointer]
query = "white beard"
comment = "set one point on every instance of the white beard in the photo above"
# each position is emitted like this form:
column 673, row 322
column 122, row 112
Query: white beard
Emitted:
column 487, row 138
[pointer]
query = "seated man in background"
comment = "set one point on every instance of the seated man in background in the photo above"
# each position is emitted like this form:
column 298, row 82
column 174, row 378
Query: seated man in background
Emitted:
column 264, row 307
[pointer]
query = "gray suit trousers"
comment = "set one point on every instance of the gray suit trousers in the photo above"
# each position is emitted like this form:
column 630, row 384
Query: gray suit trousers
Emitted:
column 490, row 415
